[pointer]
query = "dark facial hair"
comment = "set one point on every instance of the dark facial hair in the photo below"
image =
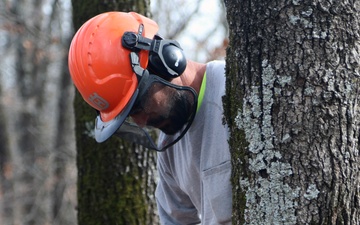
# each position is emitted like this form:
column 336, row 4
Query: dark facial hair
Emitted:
column 179, row 115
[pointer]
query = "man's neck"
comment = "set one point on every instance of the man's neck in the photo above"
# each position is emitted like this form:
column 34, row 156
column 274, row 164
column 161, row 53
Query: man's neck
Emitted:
column 193, row 75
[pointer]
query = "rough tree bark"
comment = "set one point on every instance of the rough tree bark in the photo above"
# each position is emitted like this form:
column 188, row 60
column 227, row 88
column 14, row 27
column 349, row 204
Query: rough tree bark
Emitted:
column 292, row 107
column 115, row 179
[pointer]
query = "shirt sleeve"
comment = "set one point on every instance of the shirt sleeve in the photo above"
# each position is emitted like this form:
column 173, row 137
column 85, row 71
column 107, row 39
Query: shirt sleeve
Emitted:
column 174, row 205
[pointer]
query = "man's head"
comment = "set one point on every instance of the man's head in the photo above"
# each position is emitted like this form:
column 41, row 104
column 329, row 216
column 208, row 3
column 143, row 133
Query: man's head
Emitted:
column 112, row 59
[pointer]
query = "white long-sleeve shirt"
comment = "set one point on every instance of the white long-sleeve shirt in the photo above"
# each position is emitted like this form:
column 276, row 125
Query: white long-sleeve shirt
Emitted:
column 194, row 185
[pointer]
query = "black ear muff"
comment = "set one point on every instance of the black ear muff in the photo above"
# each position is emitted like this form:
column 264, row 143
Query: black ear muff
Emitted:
column 166, row 58
column 169, row 61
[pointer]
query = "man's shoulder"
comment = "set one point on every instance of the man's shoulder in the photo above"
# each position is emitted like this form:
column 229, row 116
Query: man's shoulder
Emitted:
column 215, row 73
column 216, row 68
column 216, row 64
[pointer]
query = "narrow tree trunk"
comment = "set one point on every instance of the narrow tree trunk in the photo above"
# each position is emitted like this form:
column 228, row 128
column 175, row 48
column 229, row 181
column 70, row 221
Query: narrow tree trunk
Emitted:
column 5, row 183
column 115, row 179
column 292, row 106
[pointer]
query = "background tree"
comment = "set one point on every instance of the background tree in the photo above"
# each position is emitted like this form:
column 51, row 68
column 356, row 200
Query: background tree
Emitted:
column 116, row 179
column 292, row 106
column 37, row 174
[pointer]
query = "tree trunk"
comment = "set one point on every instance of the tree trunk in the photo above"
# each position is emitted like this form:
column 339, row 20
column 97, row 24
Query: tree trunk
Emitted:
column 115, row 180
column 292, row 107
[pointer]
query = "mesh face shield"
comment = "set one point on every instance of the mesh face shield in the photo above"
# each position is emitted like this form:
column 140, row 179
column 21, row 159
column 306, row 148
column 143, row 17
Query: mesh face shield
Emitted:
column 160, row 107
column 156, row 106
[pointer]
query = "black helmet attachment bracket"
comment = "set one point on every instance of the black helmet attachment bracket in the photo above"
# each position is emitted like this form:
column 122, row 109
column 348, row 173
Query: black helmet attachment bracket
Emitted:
column 166, row 57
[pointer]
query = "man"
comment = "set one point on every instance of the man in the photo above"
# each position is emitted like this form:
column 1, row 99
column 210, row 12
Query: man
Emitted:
column 139, row 83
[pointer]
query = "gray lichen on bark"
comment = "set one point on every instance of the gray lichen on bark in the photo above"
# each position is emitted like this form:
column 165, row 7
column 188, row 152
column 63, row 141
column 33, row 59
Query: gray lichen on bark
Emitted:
column 268, row 198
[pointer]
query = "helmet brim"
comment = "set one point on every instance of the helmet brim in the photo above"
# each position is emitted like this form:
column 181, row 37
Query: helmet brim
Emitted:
column 104, row 130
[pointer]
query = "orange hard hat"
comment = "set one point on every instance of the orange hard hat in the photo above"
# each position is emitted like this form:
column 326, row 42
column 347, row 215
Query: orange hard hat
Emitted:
column 100, row 66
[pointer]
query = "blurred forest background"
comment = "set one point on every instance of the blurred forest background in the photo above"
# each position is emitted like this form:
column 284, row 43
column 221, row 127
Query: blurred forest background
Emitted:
column 38, row 172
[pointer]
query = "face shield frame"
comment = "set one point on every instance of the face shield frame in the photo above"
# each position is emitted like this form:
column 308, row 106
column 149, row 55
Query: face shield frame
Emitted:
column 143, row 135
column 145, row 81
column 103, row 130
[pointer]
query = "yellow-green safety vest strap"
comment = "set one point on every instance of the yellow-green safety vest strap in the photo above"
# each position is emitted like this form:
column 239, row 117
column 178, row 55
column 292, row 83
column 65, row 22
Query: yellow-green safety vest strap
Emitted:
column 202, row 92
